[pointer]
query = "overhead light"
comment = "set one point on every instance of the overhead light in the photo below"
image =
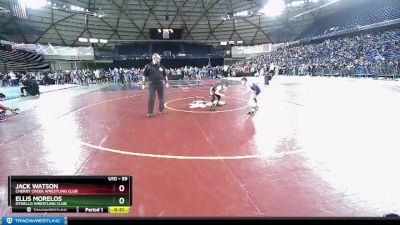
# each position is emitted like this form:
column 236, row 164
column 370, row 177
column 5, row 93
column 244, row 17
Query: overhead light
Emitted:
column 62, row 7
column 239, row 42
column 93, row 40
column 297, row 3
column 83, row 40
column 330, row 2
column 159, row 30
column 223, row 43
column 241, row 14
column 100, row 15
column 273, row 8
column 103, row 41
column 34, row 4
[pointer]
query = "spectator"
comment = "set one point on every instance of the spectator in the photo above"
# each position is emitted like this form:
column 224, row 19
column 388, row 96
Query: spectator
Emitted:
column 30, row 87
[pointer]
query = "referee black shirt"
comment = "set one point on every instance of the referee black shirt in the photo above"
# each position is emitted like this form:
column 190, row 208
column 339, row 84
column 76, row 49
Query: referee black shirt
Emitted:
column 155, row 74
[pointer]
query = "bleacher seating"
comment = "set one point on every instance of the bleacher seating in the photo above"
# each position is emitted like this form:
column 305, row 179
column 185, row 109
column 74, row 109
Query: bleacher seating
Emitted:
column 2, row 67
column 364, row 54
column 357, row 13
column 178, row 50
column 138, row 49
column 21, row 61
column 198, row 50
column 160, row 48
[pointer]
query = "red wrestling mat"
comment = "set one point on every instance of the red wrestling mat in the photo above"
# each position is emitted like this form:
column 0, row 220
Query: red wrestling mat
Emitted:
column 189, row 162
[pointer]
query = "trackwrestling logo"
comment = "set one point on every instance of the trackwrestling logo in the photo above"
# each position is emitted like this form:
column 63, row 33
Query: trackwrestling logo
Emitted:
column 33, row 220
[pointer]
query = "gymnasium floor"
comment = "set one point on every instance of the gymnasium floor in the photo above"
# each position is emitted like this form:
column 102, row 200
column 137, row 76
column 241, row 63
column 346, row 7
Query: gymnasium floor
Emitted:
column 316, row 147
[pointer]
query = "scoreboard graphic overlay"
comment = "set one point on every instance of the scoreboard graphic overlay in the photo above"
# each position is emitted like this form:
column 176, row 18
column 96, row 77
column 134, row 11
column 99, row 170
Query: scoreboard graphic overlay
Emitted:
column 73, row 194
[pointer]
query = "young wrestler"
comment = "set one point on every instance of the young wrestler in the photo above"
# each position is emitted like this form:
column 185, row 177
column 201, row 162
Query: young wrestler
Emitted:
column 255, row 89
column 215, row 92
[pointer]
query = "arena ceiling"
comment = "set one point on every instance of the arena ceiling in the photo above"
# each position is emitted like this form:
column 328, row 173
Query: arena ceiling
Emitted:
column 126, row 21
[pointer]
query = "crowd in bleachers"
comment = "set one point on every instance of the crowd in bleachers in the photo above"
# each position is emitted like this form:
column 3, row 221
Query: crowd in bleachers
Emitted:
column 196, row 73
column 367, row 54
column 358, row 13
column 116, row 75
column 375, row 54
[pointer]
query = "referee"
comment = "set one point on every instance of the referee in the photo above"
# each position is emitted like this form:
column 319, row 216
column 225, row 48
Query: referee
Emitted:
column 155, row 75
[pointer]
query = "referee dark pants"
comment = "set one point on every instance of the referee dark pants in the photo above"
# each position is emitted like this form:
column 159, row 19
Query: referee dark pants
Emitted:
column 152, row 96
column 23, row 89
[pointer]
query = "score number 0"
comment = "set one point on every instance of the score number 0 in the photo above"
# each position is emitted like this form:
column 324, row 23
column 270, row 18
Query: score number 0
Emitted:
column 121, row 200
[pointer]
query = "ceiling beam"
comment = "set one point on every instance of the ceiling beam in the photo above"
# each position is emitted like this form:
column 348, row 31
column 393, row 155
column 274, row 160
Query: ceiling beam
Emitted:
column 127, row 16
column 208, row 22
column 259, row 27
column 152, row 12
column 204, row 13
column 178, row 13
column 183, row 21
column 53, row 24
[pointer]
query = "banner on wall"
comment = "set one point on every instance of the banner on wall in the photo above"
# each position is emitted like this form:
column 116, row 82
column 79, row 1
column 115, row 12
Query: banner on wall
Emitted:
column 58, row 52
column 244, row 51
